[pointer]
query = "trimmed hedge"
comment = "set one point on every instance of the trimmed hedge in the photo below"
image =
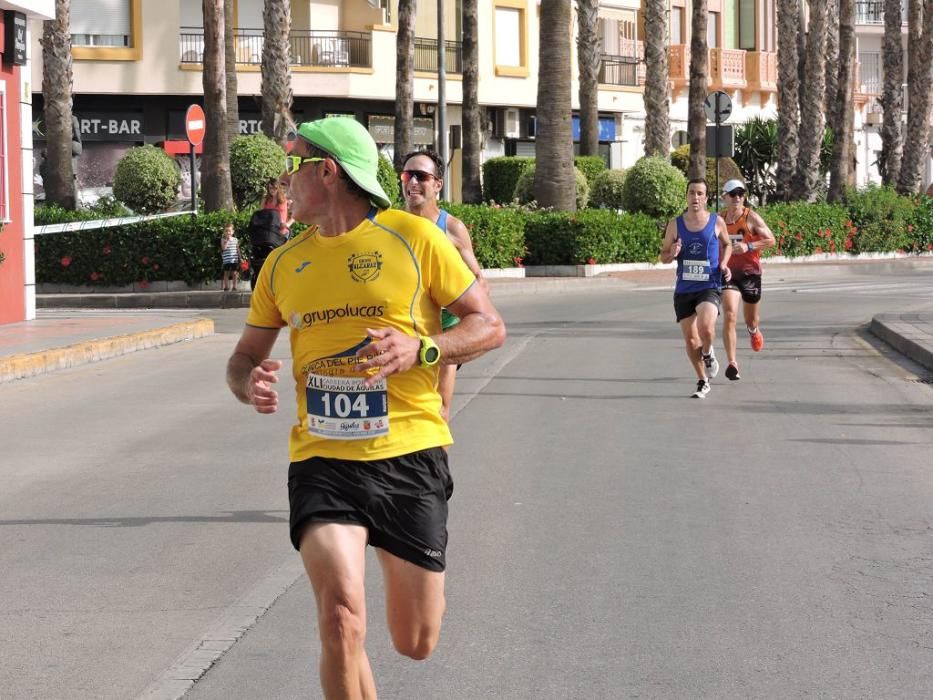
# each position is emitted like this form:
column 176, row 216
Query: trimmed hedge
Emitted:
column 881, row 217
column 498, row 232
column 388, row 178
column 254, row 160
column 500, row 176
column 591, row 236
column 606, row 192
column 146, row 180
column 524, row 188
column 590, row 166
column 802, row 229
column 655, row 187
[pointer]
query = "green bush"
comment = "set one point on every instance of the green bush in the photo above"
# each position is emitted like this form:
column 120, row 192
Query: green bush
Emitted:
column 183, row 247
column 920, row 226
column 591, row 236
column 498, row 232
column 254, row 160
column 728, row 168
column 802, row 228
column 146, row 180
column 524, row 188
column 881, row 217
column 590, row 166
column 500, row 176
column 388, row 178
column 606, row 192
column 655, row 187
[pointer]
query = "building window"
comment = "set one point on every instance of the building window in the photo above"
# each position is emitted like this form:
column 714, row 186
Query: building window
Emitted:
column 4, row 175
column 747, row 25
column 712, row 30
column 677, row 25
column 106, row 30
column 511, row 46
column 870, row 79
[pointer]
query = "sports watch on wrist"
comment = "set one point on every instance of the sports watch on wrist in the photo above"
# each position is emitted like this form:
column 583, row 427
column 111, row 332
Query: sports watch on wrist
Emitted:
column 429, row 354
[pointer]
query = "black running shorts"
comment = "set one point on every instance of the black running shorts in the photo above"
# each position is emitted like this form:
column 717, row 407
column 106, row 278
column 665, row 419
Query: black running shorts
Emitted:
column 685, row 305
column 748, row 285
column 402, row 501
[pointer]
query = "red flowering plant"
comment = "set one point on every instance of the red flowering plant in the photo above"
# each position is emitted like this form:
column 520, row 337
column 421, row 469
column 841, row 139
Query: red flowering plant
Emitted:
column 803, row 228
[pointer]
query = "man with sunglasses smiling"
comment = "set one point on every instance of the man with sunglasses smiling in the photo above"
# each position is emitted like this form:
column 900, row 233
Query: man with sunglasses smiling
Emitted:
column 422, row 180
column 750, row 235
column 361, row 291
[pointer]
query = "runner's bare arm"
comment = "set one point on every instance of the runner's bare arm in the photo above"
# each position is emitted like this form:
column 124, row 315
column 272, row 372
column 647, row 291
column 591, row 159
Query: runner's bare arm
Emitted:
column 725, row 247
column 480, row 329
column 460, row 235
column 760, row 229
column 250, row 372
column 670, row 248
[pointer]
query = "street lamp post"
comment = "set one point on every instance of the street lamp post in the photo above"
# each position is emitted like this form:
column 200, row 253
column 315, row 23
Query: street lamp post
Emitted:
column 442, row 95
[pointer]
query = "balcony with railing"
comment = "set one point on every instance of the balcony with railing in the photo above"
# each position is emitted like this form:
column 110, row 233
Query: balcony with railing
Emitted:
column 761, row 70
column 618, row 70
column 426, row 55
column 312, row 48
column 872, row 12
column 726, row 67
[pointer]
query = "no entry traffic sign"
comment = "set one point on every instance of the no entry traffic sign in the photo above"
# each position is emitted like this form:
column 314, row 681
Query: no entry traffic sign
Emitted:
column 195, row 125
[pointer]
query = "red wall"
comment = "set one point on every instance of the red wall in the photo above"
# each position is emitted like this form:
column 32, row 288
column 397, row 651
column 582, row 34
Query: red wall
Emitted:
column 12, row 270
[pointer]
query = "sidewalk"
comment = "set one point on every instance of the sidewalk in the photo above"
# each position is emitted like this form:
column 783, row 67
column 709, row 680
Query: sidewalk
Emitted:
column 69, row 332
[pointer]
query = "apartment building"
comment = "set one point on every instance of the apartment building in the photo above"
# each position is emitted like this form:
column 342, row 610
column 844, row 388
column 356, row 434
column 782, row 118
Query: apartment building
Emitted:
column 137, row 66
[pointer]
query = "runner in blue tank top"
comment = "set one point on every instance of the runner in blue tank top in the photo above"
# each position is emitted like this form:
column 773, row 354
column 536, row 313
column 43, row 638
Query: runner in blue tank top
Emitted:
column 699, row 242
column 422, row 180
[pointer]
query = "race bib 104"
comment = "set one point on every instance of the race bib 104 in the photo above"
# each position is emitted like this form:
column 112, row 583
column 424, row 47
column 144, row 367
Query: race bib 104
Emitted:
column 342, row 408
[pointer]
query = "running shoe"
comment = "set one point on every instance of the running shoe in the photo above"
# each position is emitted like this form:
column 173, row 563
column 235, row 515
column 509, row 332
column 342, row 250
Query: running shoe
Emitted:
column 757, row 340
column 711, row 364
column 702, row 389
column 732, row 373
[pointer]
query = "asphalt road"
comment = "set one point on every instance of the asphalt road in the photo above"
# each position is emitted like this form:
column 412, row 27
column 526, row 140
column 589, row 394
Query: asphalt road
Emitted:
column 610, row 537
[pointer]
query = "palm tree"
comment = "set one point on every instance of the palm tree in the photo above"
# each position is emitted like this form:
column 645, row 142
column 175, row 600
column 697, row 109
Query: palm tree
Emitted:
column 276, row 87
column 555, row 183
column 892, row 99
column 657, row 104
column 215, row 163
column 588, row 59
column 804, row 184
column 843, row 110
column 787, row 95
column 58, row 173
column 919, row 57
column 832, row 107
column 696, row 115
column 472, row 188
column 404, row 81
column 233, row 108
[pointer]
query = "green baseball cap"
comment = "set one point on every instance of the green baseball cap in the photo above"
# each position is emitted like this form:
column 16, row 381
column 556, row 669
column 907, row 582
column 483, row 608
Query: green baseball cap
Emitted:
column 350, row 144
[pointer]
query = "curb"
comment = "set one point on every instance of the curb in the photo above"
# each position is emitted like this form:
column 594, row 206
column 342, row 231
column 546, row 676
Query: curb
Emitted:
column 913, row 340
column 30, row 364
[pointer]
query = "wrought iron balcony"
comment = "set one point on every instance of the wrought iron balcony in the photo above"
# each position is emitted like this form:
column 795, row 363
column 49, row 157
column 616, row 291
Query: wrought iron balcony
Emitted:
column 426, row 55
column 329, row 49
column 872, row 12
column 618, row 70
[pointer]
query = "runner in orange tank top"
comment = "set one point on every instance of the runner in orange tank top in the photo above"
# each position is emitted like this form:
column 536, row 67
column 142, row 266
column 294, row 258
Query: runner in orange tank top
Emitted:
column 750, row 235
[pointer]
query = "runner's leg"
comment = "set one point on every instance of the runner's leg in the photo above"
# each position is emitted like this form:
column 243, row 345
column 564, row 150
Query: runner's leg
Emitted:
column 415, row 605
column 334, row 557
column 752, row 315
column 730, row 309
column 706, row 316
column 688, row 326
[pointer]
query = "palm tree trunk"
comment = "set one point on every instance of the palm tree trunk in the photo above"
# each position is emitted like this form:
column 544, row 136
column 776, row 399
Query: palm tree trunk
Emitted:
column 657, row 103
column 919, row 78
column 843, row 143
column 833, row 109
column 233, row 108
column 404, row 81
column 787, row 95
column 276, row 88
column 58, row 172
column 555, row 184
column 215, row 163
column 588, row 58
column 696, row 115
column 472, row 188
column 805, row 184
column 892, row 100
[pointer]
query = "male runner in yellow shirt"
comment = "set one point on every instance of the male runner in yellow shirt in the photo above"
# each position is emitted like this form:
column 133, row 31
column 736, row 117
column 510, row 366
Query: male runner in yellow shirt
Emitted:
column 361, row 292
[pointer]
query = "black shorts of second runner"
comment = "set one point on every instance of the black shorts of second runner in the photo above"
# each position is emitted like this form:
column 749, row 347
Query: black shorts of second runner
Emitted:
column 748, row 285
column 685, row 305
column 402, row 501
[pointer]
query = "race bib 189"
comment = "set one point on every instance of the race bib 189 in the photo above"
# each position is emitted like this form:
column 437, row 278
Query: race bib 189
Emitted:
column 342, row 408
column 696, row 270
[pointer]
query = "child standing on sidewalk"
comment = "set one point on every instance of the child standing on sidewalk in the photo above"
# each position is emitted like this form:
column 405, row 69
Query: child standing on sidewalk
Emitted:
column 230, row 258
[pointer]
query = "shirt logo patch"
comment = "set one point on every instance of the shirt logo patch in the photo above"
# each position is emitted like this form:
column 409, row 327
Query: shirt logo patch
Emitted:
column 695, row 248
column 302, row 266
column 365, row 267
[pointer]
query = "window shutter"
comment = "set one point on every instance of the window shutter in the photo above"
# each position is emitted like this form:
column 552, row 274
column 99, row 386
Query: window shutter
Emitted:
column 100, row 17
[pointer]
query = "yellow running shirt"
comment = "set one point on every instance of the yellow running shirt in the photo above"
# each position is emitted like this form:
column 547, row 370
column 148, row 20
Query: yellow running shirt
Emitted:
column 394, row 270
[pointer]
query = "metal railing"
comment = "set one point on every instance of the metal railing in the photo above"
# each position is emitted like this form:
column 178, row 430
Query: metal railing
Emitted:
column 618, row 70
column 426, row 55
column 872, row 12
column 333, row 49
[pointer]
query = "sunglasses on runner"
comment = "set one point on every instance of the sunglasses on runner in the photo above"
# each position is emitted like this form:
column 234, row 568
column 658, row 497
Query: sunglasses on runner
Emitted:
column 293, row 163
column 420, row 175
column 736, row 193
